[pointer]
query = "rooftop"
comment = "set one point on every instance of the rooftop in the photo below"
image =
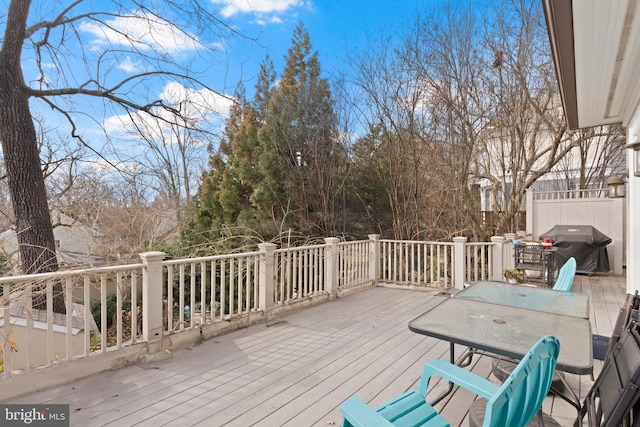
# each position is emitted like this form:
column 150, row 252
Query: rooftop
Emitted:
column 296, row 370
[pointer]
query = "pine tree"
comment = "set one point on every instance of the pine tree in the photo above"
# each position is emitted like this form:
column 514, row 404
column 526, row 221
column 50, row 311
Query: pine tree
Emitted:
column 278, row 166
column 300, row 123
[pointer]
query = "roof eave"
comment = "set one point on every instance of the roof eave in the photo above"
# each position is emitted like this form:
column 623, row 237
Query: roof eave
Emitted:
column 559, row 17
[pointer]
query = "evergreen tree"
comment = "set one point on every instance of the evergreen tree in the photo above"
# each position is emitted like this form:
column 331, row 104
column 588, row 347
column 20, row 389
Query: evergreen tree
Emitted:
column 301, row 126
column 279, row 166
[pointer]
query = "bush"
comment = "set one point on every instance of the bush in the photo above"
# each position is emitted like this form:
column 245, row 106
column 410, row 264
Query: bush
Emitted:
column 111, row 309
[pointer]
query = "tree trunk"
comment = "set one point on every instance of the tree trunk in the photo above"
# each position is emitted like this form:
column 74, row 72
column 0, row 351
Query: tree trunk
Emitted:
column 22, row 161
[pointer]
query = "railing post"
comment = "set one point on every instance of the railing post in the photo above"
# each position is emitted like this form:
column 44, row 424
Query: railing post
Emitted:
column 498, row 257
column 529, row 210
column 152, row 304
column 459, row 261
column 507, row 254
column 267, row 275
column 374, row 258
column 331, row 265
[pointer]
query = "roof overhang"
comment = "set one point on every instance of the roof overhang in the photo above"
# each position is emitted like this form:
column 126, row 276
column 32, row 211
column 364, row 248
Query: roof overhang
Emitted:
column 596, row 49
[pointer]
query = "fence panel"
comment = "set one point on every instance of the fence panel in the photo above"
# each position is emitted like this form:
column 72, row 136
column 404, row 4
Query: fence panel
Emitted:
column 353, row 264
column 209, row 289
column 100, row 314
column 417, row 262
column 299, row 273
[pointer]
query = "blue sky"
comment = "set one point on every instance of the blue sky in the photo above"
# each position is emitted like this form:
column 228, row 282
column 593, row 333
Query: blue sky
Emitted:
column 334, row 26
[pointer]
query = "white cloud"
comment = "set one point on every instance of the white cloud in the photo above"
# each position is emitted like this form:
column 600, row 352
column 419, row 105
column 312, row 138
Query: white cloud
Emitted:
column 196, row 103
column 143, row 32
column 256, row 7
column 129, row 66
column 199, row 106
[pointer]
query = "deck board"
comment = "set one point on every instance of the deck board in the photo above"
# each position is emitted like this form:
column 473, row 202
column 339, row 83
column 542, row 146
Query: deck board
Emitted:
column 296, row 370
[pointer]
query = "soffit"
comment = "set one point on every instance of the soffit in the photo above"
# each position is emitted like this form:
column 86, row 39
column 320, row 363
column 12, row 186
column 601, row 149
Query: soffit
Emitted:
column 601, row 85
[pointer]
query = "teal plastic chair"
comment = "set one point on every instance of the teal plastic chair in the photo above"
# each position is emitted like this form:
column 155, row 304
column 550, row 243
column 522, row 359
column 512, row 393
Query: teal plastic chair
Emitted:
column 513, row 404
column 566, row 275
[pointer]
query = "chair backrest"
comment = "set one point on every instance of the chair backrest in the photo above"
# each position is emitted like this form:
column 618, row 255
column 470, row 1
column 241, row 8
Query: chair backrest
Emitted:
column 522, row 393
column 613, row 398
column 566, row 275
column 630, row 304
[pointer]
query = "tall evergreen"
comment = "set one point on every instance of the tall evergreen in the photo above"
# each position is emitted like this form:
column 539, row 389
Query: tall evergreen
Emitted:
column 278, row 165
column 301, row 125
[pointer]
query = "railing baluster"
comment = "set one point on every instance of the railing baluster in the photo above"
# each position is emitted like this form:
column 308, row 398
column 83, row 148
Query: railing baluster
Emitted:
column 170, row 269
column 212, row 302
column 247, row 285
column 68, row 287
column 192, row 294
column 87, row 313
column 103, row 313
column 255, row 274
column 119, row 309
column 134, row 307
column 223, row 289
column 232, row 290
column 181, row 296
column 203, row 292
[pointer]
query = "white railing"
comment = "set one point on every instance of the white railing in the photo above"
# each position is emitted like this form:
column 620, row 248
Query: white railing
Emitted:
column 590, row 193
column 478, row 262
column 417, row 263
column 299, row 273
column 113, row 309
column 354, row 259
column 209, row 289
column 36, row 336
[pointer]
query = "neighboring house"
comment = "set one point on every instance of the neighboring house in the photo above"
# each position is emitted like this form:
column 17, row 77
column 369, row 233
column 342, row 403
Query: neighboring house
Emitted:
column 596, row 49
column 564, row 176
column 18, row 331
column 76, row 244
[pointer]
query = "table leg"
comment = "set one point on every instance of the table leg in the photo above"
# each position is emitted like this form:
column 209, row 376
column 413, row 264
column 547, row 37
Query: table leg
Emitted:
column 574, row 400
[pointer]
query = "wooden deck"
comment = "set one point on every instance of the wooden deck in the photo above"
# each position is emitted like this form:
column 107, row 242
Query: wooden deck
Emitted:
column 298, row 369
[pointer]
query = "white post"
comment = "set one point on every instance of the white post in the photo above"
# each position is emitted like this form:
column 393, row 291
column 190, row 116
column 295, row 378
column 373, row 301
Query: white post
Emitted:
column 529, row 211
column 507, row 255
column 331, row 265
column 633, row 210
column 498, row 257
column 267, row 275
column 374, row 258
column 459, row 261
column 152, row 304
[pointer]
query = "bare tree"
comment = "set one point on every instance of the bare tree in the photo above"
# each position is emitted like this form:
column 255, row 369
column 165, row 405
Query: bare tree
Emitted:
column 69, row 55
column 391, row 103
column 75, row 54
column 444, row 50
column 527, row 134
column 170, row 154
column 599, row 154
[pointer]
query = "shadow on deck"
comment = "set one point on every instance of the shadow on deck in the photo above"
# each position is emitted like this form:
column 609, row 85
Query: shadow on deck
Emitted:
column 296, row 370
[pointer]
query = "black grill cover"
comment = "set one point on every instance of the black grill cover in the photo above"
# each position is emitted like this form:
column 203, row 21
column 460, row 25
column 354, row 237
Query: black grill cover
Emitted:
column 585, row 243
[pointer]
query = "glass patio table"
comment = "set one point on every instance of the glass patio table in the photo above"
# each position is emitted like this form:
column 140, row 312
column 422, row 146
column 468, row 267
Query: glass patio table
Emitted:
column 507, row 331
column 533, row 298
column 504, row 331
